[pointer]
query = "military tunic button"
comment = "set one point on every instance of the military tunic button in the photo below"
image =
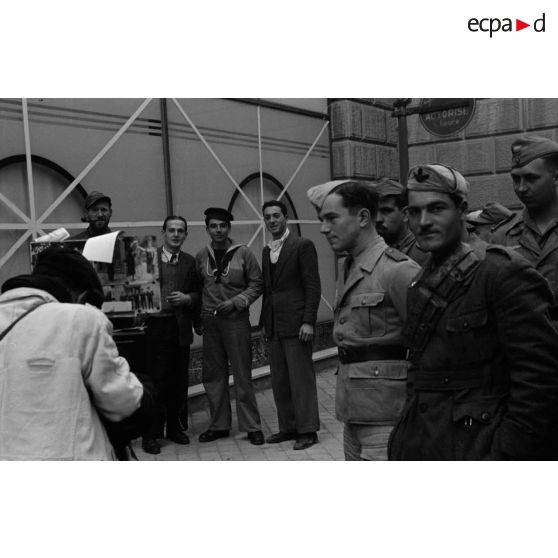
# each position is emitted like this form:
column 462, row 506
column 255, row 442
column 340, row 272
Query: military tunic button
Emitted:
column 376, row 372
column 465, row 323
column 342, row 321
column 340, row 337
column 446, row 380
column 485, row 417
column 363, row 301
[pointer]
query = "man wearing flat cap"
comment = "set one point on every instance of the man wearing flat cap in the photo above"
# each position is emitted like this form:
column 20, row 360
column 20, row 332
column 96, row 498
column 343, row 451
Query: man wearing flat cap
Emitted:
column 98, row 211
column 533, row 232
column 391, row 222
column 483, row 382
column 369, row 313
column 231, row 281
column 61, row 372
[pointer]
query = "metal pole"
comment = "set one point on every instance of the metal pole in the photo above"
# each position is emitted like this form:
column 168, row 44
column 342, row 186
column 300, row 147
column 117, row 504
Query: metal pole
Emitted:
column 166, row 155
column 400, row 110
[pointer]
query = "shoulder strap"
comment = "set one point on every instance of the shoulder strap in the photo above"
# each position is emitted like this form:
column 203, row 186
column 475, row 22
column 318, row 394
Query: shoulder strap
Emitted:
column 9, row 328
column 431, row 303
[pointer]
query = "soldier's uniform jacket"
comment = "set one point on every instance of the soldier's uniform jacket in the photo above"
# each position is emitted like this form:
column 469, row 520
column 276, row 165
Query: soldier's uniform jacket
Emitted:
column 483, row 383
column 521, row 234
column 408, row 245
column 369, row 313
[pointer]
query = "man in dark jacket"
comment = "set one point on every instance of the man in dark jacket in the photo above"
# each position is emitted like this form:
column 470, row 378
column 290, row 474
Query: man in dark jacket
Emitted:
column 290, row 305
column 484, row 377
column 169, row 335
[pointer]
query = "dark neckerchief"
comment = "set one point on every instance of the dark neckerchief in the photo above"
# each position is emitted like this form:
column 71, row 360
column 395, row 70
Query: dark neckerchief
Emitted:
column 219, row 269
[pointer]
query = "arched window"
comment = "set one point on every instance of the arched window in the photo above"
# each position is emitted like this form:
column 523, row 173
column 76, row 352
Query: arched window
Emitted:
column 49, row 180
column 259, row 190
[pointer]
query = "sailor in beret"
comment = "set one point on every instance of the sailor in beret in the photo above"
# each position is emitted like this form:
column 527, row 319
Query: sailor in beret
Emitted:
column 533, row 232
column 231, row 281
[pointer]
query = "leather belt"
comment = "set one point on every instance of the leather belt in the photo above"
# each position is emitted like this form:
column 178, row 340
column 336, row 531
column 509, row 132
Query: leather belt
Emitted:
column 368, row 352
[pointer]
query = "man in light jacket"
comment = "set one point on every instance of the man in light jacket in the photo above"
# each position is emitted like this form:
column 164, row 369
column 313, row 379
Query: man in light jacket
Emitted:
column 60, row 371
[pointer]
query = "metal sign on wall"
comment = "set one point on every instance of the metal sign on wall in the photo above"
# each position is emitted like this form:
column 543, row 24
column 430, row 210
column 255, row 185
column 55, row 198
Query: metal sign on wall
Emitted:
column 445, row 117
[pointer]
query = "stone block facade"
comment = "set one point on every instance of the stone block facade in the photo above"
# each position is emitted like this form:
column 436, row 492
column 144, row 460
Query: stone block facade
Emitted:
column 364, row 142
column 363, row 139
column 481, row 151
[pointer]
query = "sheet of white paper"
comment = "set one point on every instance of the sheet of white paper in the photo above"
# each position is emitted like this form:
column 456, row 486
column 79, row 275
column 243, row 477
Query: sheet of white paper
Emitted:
column 100, row 248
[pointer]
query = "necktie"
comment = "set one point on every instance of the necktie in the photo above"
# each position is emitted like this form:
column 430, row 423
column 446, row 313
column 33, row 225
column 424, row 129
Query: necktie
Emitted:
column 174, row 259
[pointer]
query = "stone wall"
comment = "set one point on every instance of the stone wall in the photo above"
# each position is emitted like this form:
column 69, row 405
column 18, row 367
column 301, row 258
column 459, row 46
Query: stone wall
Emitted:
column 364, row 142
column 363, row 139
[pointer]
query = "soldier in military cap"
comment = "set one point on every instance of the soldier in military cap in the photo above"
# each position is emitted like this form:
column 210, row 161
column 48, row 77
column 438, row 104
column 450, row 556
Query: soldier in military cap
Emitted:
column 391, row 222
column 484, row 221
column 533, row 231
column 231, row 281
column 369, row 313
column 98, row 211
column 483, row 382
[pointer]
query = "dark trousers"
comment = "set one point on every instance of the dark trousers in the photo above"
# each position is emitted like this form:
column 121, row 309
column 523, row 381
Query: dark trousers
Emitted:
column 228, row 340
column 168, row 363
column 293, row 381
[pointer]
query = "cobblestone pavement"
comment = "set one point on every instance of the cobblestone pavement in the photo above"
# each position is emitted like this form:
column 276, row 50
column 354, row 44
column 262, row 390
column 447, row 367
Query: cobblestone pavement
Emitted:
column 237, row 448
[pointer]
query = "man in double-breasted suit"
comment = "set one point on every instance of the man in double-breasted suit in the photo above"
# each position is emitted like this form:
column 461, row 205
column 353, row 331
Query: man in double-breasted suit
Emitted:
column 169, row 335
column 290, row 304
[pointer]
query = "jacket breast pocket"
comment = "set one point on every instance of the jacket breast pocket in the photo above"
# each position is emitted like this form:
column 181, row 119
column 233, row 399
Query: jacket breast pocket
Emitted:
column 369, row 314
column 471, row 339
column 376, row 391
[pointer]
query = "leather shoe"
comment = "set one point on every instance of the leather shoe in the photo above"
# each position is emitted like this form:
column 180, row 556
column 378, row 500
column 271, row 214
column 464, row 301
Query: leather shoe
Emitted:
column 178, row 438
column 256, row 438
column 150, row 445
column 304, row 441
column 279, row 437
column 211, row 435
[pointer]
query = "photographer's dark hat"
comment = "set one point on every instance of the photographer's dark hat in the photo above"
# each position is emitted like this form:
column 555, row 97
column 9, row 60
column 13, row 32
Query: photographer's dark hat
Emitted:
column 67, row 264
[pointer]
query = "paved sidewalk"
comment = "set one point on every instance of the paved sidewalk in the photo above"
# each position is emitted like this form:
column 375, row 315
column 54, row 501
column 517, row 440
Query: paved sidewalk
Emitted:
column 237, row 448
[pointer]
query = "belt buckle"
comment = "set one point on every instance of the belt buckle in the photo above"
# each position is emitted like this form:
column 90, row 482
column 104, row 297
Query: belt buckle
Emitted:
column 343, row 353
